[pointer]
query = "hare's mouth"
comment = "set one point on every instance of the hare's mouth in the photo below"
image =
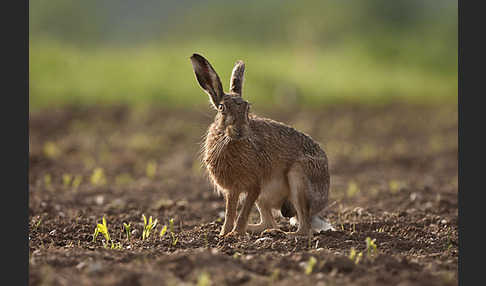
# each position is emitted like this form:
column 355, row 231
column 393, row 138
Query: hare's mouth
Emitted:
column 238, row 137
column 236, row 133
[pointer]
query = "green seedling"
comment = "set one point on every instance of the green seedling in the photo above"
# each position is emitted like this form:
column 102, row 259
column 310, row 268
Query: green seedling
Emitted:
column 148, row 226
column 310, row 265
column 171, row 225
column 352, row 189
column 204, row 279
column 395, row 186
column 309, row 240
column 76, row 182
column 51, row 150
column 171, row 230
column 66, row 180
column 127, row 230
column 206, row 240
column 371, row 247
column 450, row 242
column 174, row 239
column 355, row 256
column 36, row 225
column 117, row 245
column 275, row 275
column 98, row 177
column 103, row 229
column 48, row 182
column 163, row 231
column 236, row 255
column 151, row 169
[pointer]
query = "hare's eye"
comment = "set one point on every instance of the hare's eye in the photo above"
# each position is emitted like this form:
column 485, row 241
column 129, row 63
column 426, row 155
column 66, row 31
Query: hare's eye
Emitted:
column 221, row 107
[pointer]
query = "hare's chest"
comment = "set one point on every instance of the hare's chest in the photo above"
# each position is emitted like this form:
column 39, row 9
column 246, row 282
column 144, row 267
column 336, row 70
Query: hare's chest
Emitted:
column 231, row 169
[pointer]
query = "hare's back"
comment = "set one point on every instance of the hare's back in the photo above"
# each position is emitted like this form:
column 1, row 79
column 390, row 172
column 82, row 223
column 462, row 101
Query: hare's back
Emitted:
column 278, row 137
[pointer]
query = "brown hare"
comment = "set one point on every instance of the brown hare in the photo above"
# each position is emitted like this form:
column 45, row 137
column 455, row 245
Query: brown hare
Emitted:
column 270, row 164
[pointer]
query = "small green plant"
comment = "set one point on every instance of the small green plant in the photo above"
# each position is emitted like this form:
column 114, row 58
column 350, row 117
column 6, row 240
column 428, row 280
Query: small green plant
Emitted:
column 51, row 150
column 275, row 275
column 204, row 279
column 352, row 189
column 151, row 169
column 355, row 256
column 98, row 177
column 206, row 240
column 103, row 229
column 127, row 230
column 163, row 231
column 76, row 182
column 450, row 242
column 36, row 225
column 48, row 182
column 310, row 265
column 171, row 225
column 395, row 186
column 66, row 180
column 171, row 229
column 117, row 245
column 148, row 226
column 236, row 255
column 371, row 246
column 174, row 239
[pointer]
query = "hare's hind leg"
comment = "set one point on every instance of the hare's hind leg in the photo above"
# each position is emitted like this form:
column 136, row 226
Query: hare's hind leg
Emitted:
column 299, row 184
column 266, row 218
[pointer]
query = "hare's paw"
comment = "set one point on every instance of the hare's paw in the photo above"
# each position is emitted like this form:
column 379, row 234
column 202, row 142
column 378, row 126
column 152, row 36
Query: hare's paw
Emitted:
column 274, row 232
column 223, row 233
column 225, row 229
column 235, row 233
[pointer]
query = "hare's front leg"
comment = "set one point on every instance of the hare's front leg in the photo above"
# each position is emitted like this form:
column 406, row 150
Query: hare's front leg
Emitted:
column 242, row 220
column 230, row 212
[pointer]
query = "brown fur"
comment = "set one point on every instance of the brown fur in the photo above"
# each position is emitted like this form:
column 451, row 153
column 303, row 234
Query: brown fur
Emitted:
column 274, row 165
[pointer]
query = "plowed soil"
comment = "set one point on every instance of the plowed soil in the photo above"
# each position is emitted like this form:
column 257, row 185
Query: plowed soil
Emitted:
column 394, row 173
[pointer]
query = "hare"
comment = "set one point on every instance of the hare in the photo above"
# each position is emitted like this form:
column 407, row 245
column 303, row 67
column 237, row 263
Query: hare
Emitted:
column 269, row 163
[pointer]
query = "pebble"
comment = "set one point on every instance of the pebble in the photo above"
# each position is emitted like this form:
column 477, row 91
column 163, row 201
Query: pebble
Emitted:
column 262, row 240
column 99, row 200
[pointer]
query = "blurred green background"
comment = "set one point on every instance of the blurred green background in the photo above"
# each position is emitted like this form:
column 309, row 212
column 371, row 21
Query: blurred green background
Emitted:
column 296, row 52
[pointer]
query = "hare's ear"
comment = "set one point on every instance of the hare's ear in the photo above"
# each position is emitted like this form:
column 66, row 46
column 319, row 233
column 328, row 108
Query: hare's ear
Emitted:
column 208, row 78
column 236, row 82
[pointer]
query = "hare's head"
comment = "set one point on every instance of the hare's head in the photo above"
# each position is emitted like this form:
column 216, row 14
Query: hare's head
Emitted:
column 232, row 118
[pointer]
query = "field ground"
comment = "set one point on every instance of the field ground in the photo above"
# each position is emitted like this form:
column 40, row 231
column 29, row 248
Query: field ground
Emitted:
column 393, row 178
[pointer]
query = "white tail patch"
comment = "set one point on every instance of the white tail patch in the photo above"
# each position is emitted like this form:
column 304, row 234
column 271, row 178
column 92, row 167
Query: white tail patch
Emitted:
column 293, row 221
column 317, row 224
